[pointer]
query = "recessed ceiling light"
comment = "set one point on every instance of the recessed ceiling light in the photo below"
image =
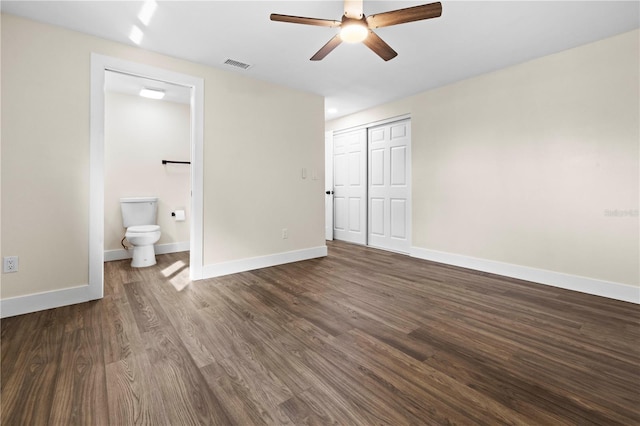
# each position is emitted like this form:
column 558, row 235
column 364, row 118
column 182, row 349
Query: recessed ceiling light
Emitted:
column 152, row 93
column 147, row 11
column 136, row 35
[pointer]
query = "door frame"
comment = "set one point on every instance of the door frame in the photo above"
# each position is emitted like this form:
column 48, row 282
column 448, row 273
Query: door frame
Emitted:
column 99, row 65
column 328, row 184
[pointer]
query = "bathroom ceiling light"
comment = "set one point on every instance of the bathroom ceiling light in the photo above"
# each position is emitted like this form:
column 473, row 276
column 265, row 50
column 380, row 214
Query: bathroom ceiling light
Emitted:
column 152, row 93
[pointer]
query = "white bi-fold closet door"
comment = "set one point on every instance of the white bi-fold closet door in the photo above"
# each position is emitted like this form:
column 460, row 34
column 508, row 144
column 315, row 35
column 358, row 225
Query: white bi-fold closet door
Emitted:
column 350, row 186
column 389, row 192
column 372, row 184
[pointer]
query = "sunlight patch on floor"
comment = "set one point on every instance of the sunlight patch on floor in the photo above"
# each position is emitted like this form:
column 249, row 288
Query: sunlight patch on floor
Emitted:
column 173, row 268
column 178, row 274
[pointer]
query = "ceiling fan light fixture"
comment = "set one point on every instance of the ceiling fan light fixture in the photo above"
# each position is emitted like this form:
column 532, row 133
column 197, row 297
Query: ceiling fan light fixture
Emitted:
column 354, row 33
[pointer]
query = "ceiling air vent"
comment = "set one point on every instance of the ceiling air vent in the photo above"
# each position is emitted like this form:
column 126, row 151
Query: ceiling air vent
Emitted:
column 237, row 64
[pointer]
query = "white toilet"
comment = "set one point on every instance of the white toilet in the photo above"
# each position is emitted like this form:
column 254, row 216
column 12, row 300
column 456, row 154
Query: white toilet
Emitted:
column 139, row 217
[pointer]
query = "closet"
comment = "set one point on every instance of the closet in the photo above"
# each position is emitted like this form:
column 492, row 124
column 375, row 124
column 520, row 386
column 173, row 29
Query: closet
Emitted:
column 372, row 185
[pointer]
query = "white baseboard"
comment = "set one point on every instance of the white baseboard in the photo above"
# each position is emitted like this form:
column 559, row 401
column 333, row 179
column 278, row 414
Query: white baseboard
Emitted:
column 243, row 265
column 70, row 296
column 53, row 299
column 120, row 254
column 592, row 286
column 47, row 300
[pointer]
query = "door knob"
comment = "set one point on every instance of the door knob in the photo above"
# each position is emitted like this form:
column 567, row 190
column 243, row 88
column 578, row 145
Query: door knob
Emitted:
column 328, row 192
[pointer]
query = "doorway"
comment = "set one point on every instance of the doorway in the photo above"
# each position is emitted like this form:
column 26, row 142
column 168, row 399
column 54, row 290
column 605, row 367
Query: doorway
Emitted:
column 100, row 65
column 372, row 185
column 140, row 134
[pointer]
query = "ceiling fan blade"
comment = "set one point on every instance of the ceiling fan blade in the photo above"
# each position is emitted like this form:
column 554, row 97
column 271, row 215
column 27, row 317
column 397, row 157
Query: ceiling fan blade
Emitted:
column 378, row 45
column 353, row 9
column 401, row 16
column 327, row 48
column 306, row 21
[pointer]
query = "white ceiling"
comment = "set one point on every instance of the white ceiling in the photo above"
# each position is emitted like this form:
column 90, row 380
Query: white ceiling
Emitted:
column 470, row 38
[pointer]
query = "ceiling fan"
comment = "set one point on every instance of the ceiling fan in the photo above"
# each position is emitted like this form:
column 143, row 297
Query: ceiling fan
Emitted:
column 355, row 28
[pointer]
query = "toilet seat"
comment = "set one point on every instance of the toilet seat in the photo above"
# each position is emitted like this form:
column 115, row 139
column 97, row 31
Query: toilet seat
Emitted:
column 143, row 228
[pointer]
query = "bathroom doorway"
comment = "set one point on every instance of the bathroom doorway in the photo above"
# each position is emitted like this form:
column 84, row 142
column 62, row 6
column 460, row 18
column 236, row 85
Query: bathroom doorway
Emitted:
column 185, row 88
column 140, row 134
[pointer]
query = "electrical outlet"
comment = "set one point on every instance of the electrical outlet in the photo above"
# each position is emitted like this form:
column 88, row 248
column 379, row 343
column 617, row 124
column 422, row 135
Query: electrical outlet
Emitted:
column 10, row 264
column 285, row 233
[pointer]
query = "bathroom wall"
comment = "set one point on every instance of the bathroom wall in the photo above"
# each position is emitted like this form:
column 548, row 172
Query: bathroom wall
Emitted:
column 139, row 133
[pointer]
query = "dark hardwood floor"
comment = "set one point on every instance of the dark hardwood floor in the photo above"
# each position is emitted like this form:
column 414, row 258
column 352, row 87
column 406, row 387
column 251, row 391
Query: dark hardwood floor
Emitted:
column 361, row 337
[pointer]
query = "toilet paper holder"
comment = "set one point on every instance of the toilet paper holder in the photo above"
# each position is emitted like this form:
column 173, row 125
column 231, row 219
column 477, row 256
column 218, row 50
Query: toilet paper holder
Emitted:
column 179, row 215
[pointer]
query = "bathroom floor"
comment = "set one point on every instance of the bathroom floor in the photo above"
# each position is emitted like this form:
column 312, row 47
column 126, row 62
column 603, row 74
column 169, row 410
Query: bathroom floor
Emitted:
column 360, row 337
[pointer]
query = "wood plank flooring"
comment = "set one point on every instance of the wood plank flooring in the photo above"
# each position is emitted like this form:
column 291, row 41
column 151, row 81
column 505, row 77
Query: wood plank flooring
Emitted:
column 361, row 337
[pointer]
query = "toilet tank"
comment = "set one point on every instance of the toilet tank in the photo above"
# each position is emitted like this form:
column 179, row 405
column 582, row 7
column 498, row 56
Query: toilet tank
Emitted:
column 138, row 211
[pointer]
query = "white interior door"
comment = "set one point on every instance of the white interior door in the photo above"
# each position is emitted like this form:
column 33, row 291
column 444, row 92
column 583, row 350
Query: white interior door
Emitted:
column 389, row 177
column 328, row 184
column 350, row 186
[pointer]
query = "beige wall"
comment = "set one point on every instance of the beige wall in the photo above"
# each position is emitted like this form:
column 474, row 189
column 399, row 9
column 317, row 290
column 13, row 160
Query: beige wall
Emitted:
column 257, row 137
column 139, row 134
column 521, row 165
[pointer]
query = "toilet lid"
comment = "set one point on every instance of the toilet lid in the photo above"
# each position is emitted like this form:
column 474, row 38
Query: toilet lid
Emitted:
column 143, row 228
